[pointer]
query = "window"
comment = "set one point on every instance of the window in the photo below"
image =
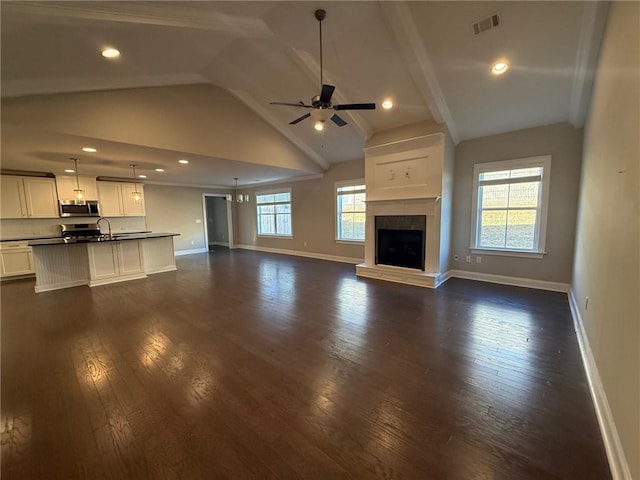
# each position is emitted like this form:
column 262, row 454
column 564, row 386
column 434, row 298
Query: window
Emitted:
column 510, row 205
column 274, row 213
column 350, row 211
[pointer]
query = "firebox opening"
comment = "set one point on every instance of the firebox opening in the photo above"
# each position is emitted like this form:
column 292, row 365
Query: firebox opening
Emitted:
column 400, row 248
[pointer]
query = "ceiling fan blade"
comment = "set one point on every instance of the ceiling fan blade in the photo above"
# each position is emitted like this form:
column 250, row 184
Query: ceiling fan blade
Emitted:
column 288, row 104
column 326, row 93
column 338, row 120
column 299, row 119
column 355, row 106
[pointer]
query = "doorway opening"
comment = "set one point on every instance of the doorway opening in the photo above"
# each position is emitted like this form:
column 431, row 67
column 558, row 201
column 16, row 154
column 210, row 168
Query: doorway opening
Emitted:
column 218, row 227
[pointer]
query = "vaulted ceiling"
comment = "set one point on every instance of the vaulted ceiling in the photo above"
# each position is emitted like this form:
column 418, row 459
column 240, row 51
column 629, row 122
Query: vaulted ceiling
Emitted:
column 216, row 66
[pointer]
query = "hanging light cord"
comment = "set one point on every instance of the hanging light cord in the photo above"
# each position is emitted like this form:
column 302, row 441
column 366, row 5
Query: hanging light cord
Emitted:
column 75, row 162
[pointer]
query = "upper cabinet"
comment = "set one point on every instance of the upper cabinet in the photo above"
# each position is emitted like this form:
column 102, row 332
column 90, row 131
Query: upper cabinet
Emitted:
column 28, row 197
column 66, row 186
column 116, row 199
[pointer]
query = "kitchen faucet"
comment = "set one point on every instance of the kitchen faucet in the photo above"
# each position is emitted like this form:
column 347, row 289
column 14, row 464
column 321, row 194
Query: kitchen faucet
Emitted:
column 108, row 223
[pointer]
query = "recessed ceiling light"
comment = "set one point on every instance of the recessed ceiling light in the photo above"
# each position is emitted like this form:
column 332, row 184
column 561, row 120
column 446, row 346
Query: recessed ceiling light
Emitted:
column 159, row 169
column 89, row 149
column 142, row 176
column 110, row 53
column 184, row 162
column 387, row 104
column 499, row 68
column 69, row 170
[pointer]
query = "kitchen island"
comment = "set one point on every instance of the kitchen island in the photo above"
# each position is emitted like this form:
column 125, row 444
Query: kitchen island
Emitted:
column 69, row 262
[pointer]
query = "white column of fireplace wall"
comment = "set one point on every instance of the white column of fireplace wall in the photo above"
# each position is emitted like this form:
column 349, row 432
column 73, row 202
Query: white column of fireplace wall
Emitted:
column 390, row 191
column 428, row 207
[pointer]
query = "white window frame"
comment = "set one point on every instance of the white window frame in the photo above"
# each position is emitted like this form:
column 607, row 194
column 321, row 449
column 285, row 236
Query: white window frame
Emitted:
column 274, row 191
column 540, row 233
column 346, row 183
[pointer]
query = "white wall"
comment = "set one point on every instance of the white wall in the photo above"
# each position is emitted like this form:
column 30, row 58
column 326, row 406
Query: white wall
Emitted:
column 178, row 210
column 564, row 143
column 607, row 260
column 313, row 215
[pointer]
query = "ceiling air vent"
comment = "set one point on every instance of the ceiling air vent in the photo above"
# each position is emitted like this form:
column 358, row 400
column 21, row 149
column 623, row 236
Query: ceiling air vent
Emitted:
column 487, row 23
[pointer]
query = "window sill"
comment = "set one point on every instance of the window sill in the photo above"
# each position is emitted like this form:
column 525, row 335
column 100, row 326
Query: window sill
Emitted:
column 274, row 236
column 508, row 253
column 350, row 242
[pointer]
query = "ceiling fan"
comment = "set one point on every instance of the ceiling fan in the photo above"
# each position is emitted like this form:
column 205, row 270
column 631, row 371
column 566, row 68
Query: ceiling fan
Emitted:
column 321, row 104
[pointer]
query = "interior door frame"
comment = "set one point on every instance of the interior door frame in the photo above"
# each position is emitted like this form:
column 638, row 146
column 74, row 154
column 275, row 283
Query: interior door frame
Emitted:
column 205, row 227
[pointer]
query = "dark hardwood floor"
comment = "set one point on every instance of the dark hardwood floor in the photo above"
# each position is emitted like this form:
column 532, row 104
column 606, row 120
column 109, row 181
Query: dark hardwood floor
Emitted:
column 250, row 365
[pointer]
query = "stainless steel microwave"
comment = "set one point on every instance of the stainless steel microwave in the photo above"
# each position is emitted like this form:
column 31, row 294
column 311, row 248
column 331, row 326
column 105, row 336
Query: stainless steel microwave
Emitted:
column 88, row 208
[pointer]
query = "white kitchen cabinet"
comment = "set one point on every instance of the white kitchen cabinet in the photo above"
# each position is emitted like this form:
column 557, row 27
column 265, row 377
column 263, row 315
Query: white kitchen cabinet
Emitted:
column 16, row 258
column 111, row 262
column 66, row 186
column 116, row 200
column 28, row 197
column 12, row 201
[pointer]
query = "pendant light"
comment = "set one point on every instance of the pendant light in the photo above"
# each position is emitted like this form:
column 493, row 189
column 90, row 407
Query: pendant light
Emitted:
column 239, row 197
column 135, row 195
column 78, row 193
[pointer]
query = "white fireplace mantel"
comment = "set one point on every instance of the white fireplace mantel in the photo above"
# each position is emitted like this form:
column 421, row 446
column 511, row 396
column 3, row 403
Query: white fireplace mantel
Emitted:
column 408, row 178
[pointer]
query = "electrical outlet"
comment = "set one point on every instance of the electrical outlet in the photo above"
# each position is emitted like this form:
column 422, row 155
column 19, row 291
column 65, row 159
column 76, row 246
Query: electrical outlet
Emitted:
column 198, row 220
column 305, row 244
column 456, row 257
column 586, row 303
column 478, row 259
column 192, row 242
column 468, row 259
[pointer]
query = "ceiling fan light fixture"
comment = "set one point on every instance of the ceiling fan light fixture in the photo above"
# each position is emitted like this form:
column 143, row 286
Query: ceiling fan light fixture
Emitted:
column 321, row 105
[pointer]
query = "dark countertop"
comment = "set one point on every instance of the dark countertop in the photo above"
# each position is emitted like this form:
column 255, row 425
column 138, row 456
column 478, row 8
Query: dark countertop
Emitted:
column 49, row 237
column 25, row 238
column 116, row 238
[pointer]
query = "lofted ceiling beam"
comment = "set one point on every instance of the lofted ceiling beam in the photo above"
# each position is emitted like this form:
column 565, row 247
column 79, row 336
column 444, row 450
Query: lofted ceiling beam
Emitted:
column 594, row 19
column 258, row 108
column 405, row 33
column 166, row 14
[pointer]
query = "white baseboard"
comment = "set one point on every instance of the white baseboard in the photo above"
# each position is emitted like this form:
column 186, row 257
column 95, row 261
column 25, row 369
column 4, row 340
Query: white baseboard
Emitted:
column 515, row 281
column 58, row 286
column 615, row 453
column 108, row 281
column 191, row 251
column 318, row 256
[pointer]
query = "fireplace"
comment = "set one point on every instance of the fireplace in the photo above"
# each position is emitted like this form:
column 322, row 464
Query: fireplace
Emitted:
column 400, row 240
column 409, row 191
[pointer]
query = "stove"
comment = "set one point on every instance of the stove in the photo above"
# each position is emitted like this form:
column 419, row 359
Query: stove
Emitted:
column 80, row 231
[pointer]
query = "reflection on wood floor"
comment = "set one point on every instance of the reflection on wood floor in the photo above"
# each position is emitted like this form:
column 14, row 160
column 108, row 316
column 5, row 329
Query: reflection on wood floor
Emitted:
column 250, row 365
